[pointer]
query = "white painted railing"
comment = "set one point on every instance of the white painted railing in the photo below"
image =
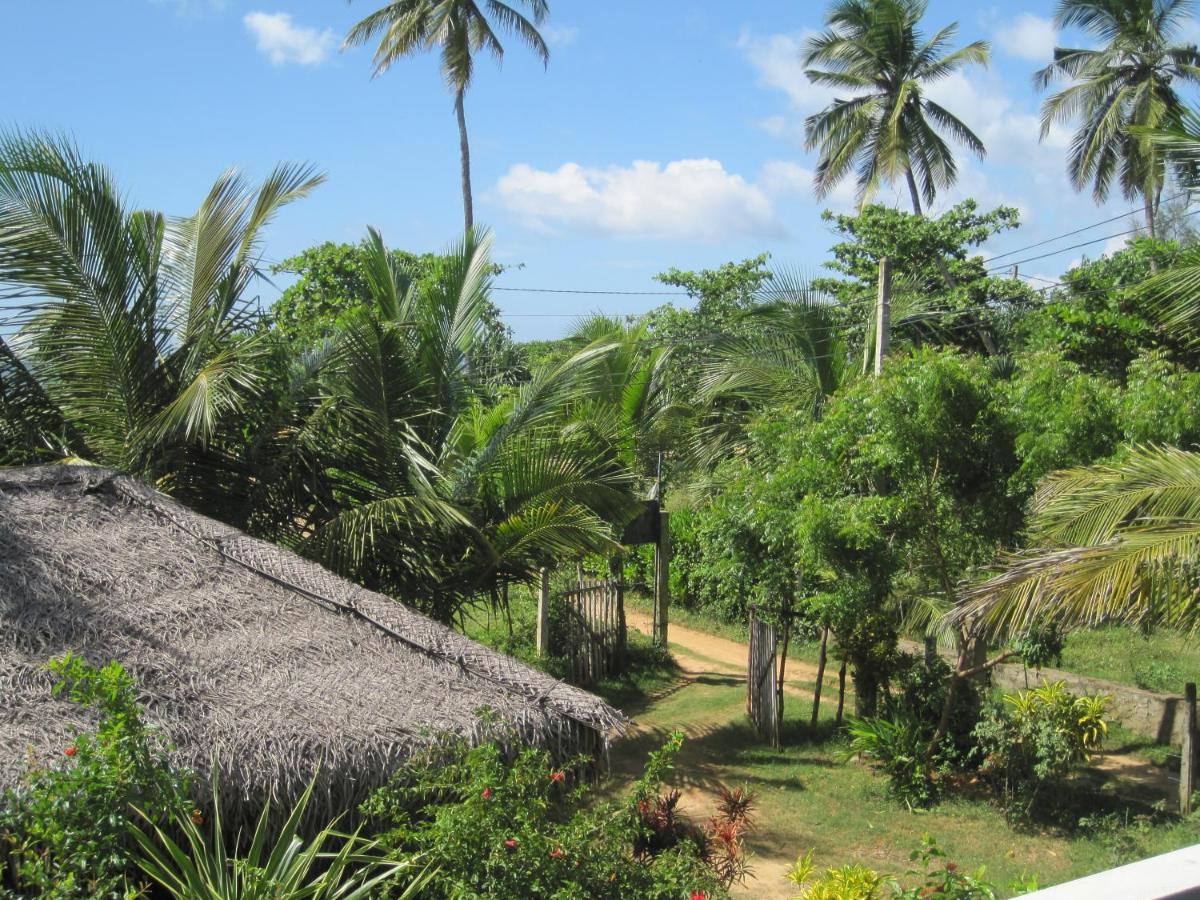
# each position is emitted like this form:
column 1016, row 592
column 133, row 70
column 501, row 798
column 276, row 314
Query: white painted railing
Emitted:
column 1172, row 876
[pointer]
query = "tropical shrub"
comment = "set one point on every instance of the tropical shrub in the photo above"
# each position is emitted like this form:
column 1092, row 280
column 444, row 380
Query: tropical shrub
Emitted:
column 897, row 747
column 898, row 742
column 934, row 878
column 65, row 831
column 275, row 863
column 848, row 882
column 1033, row 738
column 498, row 826
column 709, row 571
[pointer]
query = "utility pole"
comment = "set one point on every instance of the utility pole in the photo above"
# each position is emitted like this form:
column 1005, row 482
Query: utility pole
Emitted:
column 543, row 614
column 883, row 312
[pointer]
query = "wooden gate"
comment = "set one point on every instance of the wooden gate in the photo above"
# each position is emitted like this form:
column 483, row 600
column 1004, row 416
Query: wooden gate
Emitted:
column 761, row 695
column 594, row 629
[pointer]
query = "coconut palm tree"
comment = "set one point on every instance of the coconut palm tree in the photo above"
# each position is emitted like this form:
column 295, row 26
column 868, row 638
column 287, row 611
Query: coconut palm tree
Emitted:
column 1121, row 541
column 1127, row 83
column 134, row 344
column 387, row 463
column 888, row 129
column 459, row 29
column 1115, row 543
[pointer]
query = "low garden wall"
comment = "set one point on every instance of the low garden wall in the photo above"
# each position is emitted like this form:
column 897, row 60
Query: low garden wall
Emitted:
column 1158, row 717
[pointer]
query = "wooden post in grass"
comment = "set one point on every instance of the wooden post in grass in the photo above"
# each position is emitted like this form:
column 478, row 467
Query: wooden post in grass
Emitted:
column 1187, row 755
column 543, row 614
column 662, row 582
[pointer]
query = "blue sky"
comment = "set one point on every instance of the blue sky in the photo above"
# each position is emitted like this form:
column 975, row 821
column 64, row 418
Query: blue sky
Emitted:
column 664, row 133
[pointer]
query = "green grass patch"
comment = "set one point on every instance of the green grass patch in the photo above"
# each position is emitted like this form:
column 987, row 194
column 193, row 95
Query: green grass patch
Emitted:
column 1162, row 661
column 649, row 671
column 810, row 797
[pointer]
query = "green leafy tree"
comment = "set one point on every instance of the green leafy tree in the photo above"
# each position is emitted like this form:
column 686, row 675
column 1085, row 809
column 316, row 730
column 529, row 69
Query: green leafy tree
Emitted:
column 1126, row 84
column 333, row 287
column 1102, row 317
column 888, row 130
column 898, row 490
column 457, row 29
column 718, row 295
column 941, row 293
column 1063, row 415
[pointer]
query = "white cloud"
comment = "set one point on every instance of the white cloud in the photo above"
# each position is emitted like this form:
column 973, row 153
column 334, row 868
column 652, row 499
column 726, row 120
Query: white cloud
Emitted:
column 782, row 178
column 685, row 200
column 1029, row 37
column 560, row 35
column 282, row 41
column 776, row 58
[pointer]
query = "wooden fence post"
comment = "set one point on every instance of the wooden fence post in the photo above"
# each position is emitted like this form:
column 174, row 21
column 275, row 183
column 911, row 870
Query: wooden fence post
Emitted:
column 662, row 581
column 543, row 614
column 1187, row 755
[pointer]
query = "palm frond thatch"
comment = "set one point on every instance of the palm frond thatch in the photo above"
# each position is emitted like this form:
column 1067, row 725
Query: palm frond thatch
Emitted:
column 247, row 653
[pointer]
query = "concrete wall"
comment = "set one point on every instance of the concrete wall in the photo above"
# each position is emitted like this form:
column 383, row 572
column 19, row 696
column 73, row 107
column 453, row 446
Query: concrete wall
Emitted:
column 1158, row 717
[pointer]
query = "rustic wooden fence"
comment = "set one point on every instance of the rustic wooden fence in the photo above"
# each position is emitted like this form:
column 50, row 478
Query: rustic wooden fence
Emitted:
column 761, row 695
column 594, row 630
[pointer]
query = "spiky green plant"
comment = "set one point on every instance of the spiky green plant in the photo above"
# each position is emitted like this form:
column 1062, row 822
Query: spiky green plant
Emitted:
column 135, row 350
column 282, row 865
column 888, row 128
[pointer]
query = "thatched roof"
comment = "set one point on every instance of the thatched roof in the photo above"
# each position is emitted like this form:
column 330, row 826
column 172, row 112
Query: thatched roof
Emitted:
column 245, row 651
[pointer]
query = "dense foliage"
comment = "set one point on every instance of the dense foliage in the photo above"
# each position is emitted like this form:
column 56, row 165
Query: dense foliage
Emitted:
column 1033, row 738
column 66, row 831
column 519, row 826
column 1024, row 462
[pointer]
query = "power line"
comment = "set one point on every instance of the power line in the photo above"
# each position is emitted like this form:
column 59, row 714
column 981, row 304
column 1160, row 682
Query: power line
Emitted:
column 1077, row 246
column 527, row 290
column 1068, row 234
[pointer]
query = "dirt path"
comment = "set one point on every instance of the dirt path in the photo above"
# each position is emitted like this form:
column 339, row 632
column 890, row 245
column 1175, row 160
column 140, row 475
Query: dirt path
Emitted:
column 699, row 653
column 702, row 655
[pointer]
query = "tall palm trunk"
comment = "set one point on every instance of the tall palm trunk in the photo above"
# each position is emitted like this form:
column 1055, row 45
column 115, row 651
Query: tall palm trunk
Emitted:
column 913, row 193
column 465, row 152
column 1151, row 210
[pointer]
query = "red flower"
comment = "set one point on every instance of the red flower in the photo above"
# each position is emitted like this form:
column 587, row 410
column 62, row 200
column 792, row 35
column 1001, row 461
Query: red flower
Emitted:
column 699, row 895
column 487, row 793
column 70, row 751
column 556, row 777
column 557, row 853
column 511, row 843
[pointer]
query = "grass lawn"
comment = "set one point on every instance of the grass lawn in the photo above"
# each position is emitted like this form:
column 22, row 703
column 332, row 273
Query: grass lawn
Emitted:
column 809, row 797
column 1162, row 661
